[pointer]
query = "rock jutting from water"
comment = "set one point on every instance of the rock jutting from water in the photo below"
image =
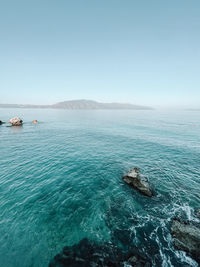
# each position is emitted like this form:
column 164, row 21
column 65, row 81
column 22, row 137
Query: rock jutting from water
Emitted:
column 1, row 122
column 134, row 179
column 186, row 237
column 16, row 121
column 87, row 253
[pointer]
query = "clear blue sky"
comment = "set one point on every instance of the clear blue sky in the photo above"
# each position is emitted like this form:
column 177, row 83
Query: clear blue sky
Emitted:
column 142, row 52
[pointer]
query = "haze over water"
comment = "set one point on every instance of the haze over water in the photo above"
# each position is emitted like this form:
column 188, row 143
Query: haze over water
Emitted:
column 61, row 181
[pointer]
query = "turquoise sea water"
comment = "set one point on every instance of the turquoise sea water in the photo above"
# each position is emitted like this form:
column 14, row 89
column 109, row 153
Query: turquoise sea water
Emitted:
column 60, row 181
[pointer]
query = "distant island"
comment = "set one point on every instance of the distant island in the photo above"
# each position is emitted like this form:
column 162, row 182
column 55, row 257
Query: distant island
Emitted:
column 80, row 105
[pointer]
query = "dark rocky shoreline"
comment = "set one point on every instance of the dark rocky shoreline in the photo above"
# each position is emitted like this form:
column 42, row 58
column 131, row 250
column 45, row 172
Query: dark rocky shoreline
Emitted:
column 87, row 253
column 186, row 237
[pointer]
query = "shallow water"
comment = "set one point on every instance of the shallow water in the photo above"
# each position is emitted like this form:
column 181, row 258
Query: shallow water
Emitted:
column 60, row 181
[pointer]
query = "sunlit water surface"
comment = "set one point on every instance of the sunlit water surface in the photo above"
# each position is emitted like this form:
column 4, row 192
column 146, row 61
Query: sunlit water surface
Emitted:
column 60, row 181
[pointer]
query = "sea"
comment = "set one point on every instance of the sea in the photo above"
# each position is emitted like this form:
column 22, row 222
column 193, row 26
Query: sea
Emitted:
column 61, row 181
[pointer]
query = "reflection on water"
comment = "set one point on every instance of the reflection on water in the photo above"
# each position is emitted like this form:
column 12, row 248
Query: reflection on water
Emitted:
column 17, row 128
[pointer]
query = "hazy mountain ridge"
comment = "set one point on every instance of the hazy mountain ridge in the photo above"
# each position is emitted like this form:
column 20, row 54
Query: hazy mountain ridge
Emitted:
column 80, row 104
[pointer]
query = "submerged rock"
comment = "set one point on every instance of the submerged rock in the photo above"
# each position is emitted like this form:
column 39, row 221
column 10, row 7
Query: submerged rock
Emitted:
column 134, row 179
column 90, row 254
column 187, row 238
column 16, row 121
column 198, row 213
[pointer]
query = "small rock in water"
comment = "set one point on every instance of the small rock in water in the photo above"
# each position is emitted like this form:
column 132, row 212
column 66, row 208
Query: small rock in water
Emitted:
column 16, row 121
column 35, row 121
column 134, row 179
column 186, row 237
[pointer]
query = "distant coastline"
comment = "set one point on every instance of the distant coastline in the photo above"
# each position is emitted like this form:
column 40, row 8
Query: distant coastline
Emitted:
column 81, row 105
